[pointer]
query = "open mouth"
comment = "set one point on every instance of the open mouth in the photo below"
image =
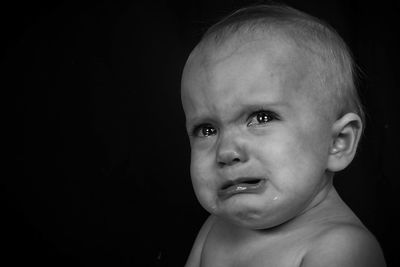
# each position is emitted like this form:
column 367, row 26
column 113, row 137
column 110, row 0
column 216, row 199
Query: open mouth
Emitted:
column 241, row 186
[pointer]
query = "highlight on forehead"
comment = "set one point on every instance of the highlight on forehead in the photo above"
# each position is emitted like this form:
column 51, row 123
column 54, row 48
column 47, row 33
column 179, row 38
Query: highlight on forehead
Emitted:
column 316, row 37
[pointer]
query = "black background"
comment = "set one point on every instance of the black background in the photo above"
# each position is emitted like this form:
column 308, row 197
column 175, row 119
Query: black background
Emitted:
column 102, row 158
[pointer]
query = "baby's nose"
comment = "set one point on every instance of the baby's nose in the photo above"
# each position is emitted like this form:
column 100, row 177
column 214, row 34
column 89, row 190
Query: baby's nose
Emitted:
column 230, row 148
column 228, row 158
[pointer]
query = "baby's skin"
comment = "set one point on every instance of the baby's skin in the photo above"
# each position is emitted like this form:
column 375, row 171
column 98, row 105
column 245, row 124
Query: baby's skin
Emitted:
column 265, row 143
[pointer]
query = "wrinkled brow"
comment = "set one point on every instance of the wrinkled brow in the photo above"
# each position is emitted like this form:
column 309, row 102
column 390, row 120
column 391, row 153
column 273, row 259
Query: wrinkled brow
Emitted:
column 237, row 113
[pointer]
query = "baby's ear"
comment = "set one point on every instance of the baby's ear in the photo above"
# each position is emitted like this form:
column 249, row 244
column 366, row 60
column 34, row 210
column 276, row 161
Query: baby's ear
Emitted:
column 346, row 133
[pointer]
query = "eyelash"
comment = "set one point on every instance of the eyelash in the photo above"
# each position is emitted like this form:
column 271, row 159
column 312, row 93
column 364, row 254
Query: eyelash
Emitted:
column 271, row 116
column 196, row 130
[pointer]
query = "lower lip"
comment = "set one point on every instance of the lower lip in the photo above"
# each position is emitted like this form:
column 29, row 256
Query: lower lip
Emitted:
column 242, row 188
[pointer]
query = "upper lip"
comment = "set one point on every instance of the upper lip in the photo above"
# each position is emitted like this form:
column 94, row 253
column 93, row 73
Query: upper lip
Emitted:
column 240, row 180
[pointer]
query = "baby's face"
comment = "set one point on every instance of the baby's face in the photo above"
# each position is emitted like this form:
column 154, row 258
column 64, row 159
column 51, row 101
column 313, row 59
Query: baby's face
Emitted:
column 259, row 138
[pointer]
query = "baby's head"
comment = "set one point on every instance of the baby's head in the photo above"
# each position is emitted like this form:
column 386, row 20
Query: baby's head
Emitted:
column 272, row 112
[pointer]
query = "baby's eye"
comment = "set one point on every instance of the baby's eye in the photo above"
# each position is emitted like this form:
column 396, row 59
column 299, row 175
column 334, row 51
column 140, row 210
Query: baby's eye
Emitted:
column 204, row 130
column 260, row 117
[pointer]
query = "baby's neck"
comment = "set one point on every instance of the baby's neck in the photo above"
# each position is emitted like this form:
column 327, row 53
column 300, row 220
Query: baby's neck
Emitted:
column 326, row 206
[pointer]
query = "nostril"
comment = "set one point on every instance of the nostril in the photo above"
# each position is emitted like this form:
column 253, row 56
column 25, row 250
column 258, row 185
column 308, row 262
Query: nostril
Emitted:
column 228, row 162
column 235, row 160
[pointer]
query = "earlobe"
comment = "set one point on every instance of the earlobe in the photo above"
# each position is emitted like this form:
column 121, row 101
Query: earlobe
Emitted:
column 346, row 133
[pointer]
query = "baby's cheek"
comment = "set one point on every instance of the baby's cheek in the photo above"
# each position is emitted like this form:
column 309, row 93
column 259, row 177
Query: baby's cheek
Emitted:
column 316, row 136
column 275, row 152
column 286, row 157
column 204, row 183
column 200, row 175
column 205, row 194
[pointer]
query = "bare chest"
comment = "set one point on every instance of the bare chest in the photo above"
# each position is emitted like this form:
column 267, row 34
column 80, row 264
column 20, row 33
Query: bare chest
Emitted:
column 252, row 254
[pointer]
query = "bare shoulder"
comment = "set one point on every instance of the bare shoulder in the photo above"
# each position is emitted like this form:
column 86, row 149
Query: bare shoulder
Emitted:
column 344, row 245
column 195, row 254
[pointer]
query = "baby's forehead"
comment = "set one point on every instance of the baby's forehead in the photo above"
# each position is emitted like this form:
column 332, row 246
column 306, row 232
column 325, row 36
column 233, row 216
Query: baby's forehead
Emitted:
column 290, row 60
column 212, row 49
column 278, row 44
column 278, row 53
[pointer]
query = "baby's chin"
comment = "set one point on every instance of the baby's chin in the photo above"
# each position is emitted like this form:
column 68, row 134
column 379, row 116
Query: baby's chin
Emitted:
column 251, row 212
column 252, row 220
